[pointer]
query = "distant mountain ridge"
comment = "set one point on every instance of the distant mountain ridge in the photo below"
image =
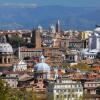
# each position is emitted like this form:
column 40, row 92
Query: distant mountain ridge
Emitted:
column 26, row 17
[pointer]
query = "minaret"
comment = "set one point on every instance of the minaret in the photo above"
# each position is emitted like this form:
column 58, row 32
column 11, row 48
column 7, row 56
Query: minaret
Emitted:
column 58, row 26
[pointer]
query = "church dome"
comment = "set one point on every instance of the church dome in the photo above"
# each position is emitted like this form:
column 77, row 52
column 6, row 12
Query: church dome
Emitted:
column 97, row 29
column 42, row 66
column 4, row 46
column 52, row 27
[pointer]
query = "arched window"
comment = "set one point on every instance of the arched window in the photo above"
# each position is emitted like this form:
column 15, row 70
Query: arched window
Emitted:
column 0, row 60
column 5, row 60
column 8, row 60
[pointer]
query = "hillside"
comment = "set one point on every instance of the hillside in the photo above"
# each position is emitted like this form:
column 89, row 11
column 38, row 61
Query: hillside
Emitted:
column 17, row 17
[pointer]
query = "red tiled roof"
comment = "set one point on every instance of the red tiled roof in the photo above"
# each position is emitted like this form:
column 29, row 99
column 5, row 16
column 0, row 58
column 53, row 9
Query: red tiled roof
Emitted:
column 29, row 49
column 96, row 68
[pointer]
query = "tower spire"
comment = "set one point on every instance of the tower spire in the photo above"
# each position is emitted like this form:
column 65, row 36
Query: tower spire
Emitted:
column 58, row 26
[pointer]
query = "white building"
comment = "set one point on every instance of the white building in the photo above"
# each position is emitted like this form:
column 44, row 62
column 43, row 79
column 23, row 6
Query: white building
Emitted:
column 91, row 86
column 20, row 66
column 73, row 56
column 94, row 45
column 94, row 41
column 90, row 54
column 64, row 89
column 11, row 79
column 6, row 51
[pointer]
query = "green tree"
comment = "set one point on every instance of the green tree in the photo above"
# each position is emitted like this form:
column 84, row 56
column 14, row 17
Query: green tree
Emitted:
column 16, row 41
column 82, row 66
column 7, row 93
column 21, row 94
column 4, row 90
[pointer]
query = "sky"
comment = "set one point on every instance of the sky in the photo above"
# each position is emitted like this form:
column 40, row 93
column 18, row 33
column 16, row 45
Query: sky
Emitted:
column 73, row 3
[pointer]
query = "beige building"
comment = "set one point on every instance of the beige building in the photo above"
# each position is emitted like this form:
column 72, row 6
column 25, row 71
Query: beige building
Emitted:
column 53, row 55
column 64, row 89
column 85, row 34
column 90, row 86
column 25, row 52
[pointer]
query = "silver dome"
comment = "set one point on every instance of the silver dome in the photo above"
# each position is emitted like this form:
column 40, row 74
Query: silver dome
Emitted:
column 42, row 67
column 6, row 48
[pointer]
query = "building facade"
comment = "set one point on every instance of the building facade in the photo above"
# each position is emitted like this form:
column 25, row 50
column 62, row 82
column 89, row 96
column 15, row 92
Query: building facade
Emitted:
column 64, row 89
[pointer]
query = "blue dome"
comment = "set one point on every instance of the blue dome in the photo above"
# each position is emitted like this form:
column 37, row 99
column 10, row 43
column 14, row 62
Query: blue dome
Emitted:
column 42, row 67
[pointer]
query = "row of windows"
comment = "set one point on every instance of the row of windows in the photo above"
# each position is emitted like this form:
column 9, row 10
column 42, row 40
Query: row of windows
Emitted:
column 92, row 56
column 68, row 90
column 91, row 85
column 66, row 86
column 67, row 96
column 5, row 47
column 65, row 90
column 30, row 54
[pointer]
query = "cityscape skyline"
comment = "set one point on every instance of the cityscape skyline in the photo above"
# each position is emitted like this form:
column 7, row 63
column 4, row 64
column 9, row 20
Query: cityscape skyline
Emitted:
column 69, row 3
column 49, row 50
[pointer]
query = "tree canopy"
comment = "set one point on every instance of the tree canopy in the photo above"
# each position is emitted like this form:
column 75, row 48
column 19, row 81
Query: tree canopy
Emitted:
column 16, row 40
column 7, row 93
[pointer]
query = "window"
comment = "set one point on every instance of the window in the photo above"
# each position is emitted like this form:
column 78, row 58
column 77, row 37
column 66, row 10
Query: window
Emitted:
column 0, row 60
column 64, row 90
column 79, row 85
column 80, row 90
column 4, row 60
column 76, row 90
column 73, row 90
column 73, row 95
column 68, row 90
column 57, row 96
column 9, row 60
column 65, row 96
column 68, row 95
